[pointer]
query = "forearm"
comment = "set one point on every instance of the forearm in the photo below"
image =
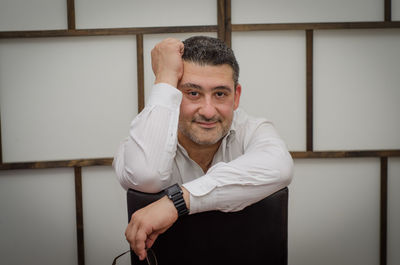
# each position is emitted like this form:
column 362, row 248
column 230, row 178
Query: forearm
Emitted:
column 233, row 186
column 144, row 160
column 233, row 198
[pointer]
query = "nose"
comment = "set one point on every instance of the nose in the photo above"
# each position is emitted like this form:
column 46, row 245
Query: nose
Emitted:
column 207, row 109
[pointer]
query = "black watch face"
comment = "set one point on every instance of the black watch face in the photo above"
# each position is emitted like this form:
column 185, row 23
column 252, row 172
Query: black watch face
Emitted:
column 173, row 190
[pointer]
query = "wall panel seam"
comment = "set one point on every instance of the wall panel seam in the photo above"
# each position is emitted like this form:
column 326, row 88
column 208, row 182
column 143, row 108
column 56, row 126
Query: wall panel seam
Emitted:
column 196, row 29
column 79, row 215
column 140, row 72
column 383, row 210
column 309, row 89
column 108, row 161
column 71, row 14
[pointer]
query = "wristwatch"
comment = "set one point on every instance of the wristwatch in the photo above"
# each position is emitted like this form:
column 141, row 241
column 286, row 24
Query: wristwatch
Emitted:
column 175, row 193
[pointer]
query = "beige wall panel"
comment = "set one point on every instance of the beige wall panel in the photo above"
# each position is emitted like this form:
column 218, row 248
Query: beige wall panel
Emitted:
column 33, row 15
column 334, row 212
column 149, row 13
column 272, row 75
column 396, row 10
column 104, row 215
column 393, row 254
column 356, row 89
column 37, row 220
column 66, row 98
column 149, row 41
column 289, row 11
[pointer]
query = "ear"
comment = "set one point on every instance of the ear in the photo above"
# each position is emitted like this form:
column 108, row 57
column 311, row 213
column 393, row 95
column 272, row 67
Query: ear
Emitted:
column 238, row 92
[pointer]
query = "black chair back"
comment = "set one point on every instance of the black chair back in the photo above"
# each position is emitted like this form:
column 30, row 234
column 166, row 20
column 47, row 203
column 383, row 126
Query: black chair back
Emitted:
column 255, row 235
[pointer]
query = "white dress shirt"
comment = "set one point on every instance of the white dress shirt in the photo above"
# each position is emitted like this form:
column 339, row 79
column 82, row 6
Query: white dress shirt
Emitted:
column 251, row 163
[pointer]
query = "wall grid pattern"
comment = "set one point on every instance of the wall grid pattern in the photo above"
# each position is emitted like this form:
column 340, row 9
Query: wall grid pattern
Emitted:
column 224, row 29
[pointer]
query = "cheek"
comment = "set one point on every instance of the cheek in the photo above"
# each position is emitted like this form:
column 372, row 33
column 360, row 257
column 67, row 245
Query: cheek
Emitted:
column 187, row 109
column 226, row 110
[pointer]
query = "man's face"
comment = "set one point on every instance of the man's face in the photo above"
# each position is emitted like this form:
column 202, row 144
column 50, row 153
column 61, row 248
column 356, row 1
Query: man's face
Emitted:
column 209, row 99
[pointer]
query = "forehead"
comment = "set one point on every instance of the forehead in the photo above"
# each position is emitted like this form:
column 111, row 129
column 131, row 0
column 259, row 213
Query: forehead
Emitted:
column 194, row 72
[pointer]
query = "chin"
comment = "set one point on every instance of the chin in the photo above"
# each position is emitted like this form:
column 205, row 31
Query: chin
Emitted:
column 207, row 141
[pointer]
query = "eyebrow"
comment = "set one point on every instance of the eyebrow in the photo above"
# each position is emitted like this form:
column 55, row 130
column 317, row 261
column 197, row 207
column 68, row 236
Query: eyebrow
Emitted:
column 191, row 85
column 195, row 86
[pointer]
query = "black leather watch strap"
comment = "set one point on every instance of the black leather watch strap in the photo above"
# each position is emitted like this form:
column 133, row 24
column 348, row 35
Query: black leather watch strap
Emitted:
column 175, row 194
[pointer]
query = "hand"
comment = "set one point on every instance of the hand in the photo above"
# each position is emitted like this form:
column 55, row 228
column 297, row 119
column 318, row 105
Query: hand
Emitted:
column 166, row 61
column 147, row 223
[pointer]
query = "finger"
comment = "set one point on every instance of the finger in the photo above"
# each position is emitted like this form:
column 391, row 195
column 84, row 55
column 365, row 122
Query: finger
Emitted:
column 140, row 243
column 131, row 231
column 151, row 239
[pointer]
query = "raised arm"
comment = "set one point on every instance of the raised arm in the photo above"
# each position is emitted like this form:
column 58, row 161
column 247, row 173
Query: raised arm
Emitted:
column 144, row 160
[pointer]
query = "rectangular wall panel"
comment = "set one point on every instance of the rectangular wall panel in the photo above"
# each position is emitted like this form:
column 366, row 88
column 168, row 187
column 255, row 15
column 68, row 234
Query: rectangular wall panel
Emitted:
column 334, row 212
column 66, row 98
column 291, row 11
column 37, row 220
column 272, row 75
column 104, row 215
column 393, row 254
column 356, row 89
column 396, row 10
column 149, row 13
column 33, row 15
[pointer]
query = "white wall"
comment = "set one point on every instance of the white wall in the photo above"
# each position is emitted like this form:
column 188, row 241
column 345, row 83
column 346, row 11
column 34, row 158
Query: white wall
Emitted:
column 267, row 91
column 33, row 15
column 393, row 211
column 334, row 212
column 91, row 83
column 37, row 221
column 70, row 111
column 357, row 93
column 292, row 11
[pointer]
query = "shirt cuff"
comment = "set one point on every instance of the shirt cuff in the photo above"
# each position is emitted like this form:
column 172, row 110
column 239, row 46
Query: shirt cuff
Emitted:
column 163, row 94
column 202, row 198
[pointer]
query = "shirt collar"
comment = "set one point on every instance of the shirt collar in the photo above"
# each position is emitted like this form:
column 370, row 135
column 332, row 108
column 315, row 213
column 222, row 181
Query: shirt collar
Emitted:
column 232, row 131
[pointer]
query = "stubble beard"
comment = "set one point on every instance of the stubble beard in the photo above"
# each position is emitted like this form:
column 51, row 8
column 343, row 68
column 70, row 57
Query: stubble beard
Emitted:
column 195, row 135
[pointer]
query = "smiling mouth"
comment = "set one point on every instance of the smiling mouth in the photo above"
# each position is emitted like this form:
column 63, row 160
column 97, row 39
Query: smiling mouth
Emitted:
column 206, row 125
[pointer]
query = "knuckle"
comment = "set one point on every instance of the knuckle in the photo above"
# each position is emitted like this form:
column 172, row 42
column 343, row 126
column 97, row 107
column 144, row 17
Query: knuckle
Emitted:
column 129, row 237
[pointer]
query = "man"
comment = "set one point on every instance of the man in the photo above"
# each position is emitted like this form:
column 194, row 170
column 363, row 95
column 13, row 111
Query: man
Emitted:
column 193, row 134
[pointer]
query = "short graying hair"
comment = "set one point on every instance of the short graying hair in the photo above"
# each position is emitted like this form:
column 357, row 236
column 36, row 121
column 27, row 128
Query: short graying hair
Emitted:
column 210, row 51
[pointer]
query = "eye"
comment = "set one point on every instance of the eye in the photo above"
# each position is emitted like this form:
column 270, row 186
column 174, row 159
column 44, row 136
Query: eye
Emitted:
column 193, row 94
column 220, row 94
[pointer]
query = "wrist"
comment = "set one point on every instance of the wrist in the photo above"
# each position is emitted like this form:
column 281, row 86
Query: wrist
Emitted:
column 170, row 206
column 176, row 195
column 169, row 79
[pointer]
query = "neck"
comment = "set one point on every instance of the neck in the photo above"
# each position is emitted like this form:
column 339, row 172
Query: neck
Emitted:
column 201, row 154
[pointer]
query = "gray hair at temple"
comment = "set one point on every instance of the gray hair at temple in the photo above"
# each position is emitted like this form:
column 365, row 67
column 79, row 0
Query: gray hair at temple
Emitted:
column 210, row 51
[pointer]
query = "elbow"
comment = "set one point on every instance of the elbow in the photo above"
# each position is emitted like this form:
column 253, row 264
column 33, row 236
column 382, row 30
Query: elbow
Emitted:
column 134, row 172
column 142, row 179
column 287, row 170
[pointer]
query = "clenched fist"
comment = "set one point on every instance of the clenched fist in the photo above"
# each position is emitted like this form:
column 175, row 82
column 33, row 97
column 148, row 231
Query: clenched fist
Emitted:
column 166, row 61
